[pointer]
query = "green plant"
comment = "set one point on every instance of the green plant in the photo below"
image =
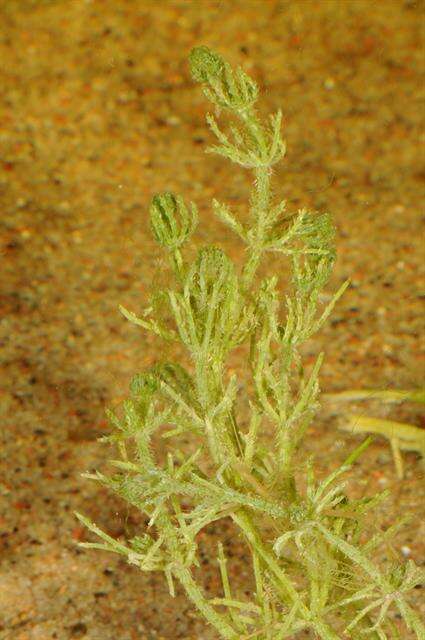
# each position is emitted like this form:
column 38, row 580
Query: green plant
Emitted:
column 311, row 565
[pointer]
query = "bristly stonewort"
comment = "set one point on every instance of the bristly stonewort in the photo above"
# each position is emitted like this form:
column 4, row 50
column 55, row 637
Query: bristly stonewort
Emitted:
column 313, row 567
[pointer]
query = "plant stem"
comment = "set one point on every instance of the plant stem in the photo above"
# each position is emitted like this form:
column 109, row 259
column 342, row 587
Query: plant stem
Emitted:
column 184, row 576
column 284, row 584
column 260, row 208
column 286, row 478
column 217, row 620
column 177, row 262
column 412, row 618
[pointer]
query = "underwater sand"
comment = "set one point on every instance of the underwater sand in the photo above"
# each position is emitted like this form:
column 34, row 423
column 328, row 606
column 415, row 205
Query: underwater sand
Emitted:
column 97, row 113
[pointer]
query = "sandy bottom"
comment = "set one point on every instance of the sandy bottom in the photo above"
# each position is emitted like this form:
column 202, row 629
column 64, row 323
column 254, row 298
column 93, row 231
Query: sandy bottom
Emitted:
column 97, row 113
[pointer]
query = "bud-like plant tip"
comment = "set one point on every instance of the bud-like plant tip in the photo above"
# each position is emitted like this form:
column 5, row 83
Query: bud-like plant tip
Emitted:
column 163, row 224
column 205, row 64
column 143, row 383
column 167, row 231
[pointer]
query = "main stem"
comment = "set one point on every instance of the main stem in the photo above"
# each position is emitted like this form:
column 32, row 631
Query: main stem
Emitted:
column 281, row 581
column 260, row 208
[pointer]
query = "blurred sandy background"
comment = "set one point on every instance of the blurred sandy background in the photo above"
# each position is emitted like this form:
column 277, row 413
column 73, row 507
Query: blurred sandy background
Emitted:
column 97, row 113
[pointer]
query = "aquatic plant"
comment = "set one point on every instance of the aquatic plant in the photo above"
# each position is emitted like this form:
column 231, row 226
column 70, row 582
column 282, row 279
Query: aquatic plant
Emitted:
column 313, row 567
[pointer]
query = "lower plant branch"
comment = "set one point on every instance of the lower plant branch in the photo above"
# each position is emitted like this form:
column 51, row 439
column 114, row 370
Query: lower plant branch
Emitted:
column 195, row 594
column 183, row 574
column 282, row 582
